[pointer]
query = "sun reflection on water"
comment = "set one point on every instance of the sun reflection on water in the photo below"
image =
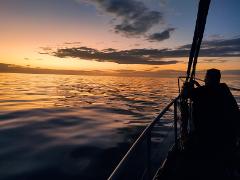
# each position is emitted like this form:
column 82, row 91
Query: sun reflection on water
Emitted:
column 63, row 126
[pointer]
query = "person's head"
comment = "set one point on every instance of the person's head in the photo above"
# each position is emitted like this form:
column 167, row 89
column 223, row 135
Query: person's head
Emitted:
column 212, row 77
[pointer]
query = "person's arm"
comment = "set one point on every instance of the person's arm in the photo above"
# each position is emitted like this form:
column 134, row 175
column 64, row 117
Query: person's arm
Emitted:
column 196, row 83
column 188, row 90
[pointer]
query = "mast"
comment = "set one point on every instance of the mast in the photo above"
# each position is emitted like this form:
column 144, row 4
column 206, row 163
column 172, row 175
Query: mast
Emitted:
column 197, row 38
column 185, row 103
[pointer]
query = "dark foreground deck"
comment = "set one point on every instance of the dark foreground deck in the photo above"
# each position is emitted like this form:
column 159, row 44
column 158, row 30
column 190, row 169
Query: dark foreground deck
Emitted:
column 194, row 165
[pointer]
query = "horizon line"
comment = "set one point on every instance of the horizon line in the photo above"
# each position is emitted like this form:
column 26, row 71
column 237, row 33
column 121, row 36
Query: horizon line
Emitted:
column 10, row 68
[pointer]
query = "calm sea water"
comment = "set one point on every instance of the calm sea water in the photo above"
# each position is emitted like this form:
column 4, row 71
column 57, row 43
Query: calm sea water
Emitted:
column 75, row 127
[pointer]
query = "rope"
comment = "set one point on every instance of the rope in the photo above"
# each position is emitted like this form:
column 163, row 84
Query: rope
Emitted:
column 197, row 38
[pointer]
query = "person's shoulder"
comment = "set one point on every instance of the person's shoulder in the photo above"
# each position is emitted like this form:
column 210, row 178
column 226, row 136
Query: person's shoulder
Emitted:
column 225, row 89
column 224, row 86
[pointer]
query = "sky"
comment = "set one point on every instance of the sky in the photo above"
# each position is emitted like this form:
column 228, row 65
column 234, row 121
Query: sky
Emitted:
column 116, row 35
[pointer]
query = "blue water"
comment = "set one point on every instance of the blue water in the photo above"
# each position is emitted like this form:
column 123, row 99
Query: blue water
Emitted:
column 75, row 127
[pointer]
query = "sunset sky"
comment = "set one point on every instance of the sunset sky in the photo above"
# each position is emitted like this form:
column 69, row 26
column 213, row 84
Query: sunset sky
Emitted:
column 144, row 35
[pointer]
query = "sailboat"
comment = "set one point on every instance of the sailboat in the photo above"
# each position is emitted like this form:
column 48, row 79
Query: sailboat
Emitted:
column 159, row 152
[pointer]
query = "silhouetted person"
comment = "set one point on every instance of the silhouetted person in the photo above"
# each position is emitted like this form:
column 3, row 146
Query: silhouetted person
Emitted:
column 216, row 122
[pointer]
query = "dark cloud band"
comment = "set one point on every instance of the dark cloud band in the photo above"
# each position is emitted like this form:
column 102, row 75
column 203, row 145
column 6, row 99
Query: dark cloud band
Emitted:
column 215, row 48
column 110, row 55
column 162, row 35
column 135, row 18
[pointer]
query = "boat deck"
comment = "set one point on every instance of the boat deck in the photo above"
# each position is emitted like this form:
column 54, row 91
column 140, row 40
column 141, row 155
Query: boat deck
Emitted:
column 162, row 138
column 192, row 165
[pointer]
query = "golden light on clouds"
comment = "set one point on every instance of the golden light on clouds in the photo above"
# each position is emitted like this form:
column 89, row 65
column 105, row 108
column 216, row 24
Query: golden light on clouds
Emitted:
column 27, row 27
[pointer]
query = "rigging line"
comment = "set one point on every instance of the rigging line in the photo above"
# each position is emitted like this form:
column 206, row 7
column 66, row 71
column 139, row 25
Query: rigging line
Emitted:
column 198, row 33
column 191, row 55
column 180, row 78
column 193, row 47
column 202, row 26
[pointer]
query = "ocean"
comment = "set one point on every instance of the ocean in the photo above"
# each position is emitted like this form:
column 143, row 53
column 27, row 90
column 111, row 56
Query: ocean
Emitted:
column 76, row 127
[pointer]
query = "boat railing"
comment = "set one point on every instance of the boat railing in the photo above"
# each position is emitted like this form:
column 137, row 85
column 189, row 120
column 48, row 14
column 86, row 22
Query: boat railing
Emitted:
column 136, row 164
column 181, row 78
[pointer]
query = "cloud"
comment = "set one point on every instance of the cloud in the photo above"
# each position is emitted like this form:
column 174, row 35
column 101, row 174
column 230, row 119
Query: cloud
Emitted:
column 222, row 43
column 214, row 60
column 46, row 48
column 136, row 44
column 135, row 18
column 215, row 48
column 215, row 37
column 109, row 50
column 72, row 43
column 37, row 70
column 134, row 56
column 162, row 35
column 132, row 18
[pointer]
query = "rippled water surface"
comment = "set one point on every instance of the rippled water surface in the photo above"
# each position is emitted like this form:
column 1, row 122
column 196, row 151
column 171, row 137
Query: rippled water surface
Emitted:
column 75, row 127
